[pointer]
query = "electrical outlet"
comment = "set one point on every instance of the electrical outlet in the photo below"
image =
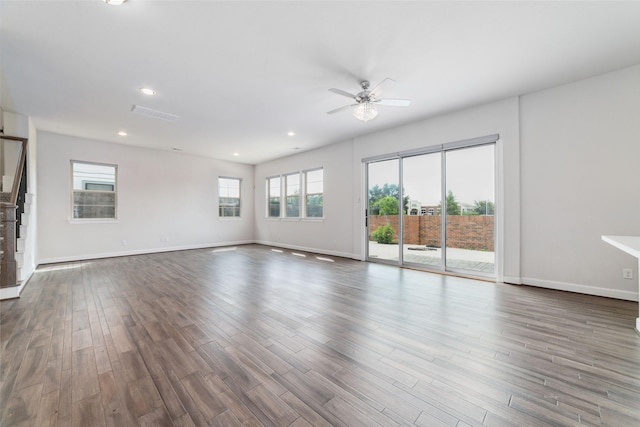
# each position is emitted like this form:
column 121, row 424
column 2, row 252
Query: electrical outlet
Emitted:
column 627, row 273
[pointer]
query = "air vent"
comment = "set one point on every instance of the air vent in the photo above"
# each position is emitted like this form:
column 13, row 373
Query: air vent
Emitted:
column 154, row 114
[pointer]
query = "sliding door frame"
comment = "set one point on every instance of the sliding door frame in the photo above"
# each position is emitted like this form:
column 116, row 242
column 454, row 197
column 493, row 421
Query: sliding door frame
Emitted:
column 440, row 148
column 367, row 213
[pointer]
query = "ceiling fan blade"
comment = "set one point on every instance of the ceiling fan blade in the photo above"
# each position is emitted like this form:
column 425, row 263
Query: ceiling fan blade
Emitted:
column 382, row 86
column 393, row 102
column 342, row 92
column 337, row 110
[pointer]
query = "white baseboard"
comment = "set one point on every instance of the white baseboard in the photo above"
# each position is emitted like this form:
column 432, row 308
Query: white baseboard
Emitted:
column 581, row 289
column 512, row 280
column 85, row 257
column 14, row 291
column 308, row 249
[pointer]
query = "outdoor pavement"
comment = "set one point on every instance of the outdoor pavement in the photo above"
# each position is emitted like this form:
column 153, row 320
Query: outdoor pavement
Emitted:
column 464, row 259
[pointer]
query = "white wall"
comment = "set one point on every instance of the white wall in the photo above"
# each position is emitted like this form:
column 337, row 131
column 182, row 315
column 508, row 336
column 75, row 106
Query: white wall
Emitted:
column 160, row 194
column 581, row 179
column 331, row 235
column 342, row 232
column 11, row 152
column 15, row 124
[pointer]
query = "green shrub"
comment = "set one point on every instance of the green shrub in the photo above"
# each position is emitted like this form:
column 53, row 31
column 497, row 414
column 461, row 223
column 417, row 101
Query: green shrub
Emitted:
column 383, row 234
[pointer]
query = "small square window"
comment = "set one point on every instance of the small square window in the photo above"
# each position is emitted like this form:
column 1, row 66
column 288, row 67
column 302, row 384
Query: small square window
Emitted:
column 94, row 190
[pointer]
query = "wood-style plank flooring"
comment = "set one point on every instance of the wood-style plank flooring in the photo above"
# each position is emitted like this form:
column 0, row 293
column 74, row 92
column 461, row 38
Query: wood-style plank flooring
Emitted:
column 250, row 336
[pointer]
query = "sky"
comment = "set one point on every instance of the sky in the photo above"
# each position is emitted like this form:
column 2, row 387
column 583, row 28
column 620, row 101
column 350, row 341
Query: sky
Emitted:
column 470, row 175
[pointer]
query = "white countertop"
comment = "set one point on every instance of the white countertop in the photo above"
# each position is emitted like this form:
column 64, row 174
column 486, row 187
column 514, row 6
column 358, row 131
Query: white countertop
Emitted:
column 628, row 244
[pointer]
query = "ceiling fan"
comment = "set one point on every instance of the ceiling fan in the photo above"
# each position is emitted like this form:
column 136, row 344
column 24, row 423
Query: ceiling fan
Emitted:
column 367, row 100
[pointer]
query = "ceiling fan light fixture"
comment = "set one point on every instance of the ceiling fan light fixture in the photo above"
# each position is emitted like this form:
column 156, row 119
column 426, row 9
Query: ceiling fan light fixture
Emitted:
column 365, row 111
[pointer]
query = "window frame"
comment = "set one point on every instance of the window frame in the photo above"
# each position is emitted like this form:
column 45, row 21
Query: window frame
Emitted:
column 307, row 194
column 221, row 206
column 269, row 197
column 73, row 191
column 303, row 213
column 287, row 195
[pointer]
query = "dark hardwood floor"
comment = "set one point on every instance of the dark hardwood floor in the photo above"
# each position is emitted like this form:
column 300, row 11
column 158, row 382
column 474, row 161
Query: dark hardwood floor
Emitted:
column 251, row 336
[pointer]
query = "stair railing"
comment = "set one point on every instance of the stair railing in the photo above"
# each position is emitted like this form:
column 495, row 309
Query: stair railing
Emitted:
column 10, row 159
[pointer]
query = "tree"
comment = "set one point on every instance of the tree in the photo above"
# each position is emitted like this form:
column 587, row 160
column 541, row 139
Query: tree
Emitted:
column 376, row 194
column 388, row 205
column 484, row 207
column 453, row 208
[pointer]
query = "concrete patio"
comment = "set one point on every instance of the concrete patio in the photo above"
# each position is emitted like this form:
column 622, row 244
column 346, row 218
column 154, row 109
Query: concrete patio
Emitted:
column 463, row 259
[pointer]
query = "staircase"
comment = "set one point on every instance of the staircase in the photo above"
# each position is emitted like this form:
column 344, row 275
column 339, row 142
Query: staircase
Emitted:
column 22, row 229
column 14, row 211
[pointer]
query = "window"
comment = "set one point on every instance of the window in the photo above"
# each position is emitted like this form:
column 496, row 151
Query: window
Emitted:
column 292, row 183
column 229, row 197
column 301, row 193
column 314, row 193
column 273, row 197
column 94, row 190
column 98, row 186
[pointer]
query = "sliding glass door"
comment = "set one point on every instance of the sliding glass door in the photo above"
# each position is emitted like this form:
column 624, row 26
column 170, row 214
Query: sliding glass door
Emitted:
column 434, row 210
column 383, row 210
column 470, row 212
column 421, row 180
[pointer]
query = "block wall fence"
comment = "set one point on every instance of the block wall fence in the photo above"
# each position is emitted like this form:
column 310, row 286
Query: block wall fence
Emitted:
column 463, row 231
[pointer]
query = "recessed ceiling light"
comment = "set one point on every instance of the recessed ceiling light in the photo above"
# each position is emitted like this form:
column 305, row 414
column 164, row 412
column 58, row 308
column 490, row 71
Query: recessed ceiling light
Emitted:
column 122, row 133
column 236, row 154
column 115, row 2
column 291, row 133
column 176, row 149
column 147, row 91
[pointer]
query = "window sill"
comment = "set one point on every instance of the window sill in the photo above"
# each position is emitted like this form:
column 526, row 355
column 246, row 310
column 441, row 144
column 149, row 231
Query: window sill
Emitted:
column 229, row 218
column 93, row 221
column 286, row 219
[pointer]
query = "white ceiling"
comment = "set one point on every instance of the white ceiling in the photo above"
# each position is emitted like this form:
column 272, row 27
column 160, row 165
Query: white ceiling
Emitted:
column 240, row 75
